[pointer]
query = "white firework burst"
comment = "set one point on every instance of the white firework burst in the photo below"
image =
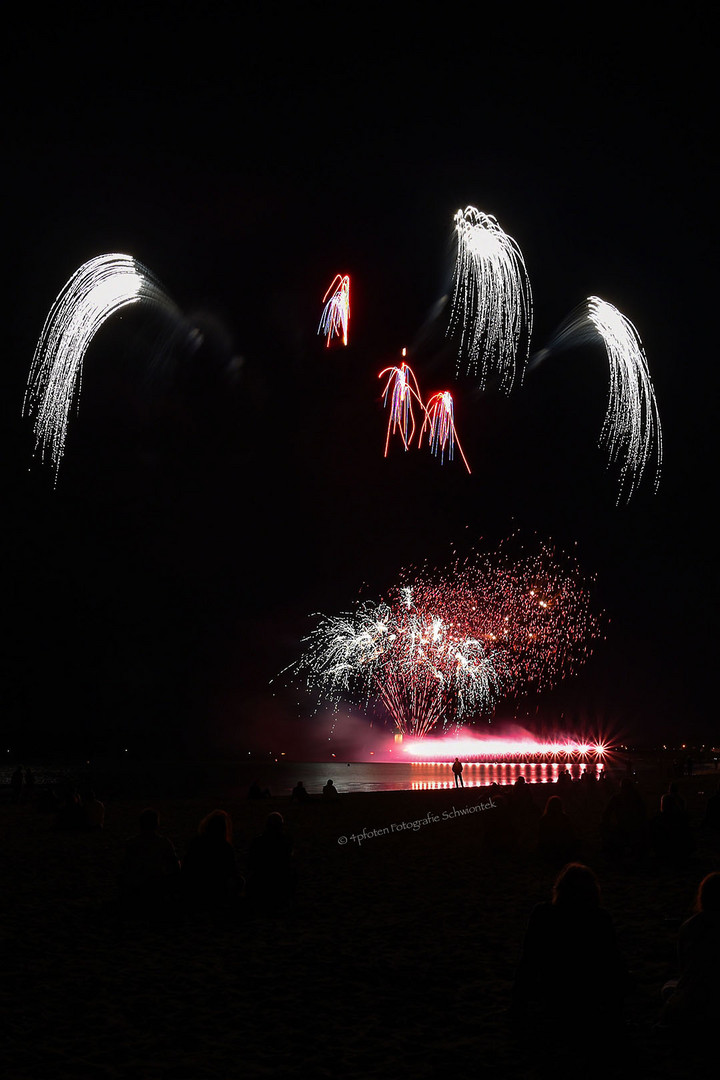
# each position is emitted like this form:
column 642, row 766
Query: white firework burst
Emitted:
column 492, row 299
column 632, row 422
column 631, row 431
column 89, row 298
column 423, row 670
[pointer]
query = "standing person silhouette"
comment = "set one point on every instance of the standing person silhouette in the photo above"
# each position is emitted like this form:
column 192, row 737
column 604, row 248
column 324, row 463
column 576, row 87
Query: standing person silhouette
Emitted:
column 458, row 770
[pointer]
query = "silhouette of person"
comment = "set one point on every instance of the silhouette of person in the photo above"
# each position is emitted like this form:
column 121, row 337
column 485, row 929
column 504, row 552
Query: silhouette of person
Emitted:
column 271, row 871
column 458, row 771
column 70, row 814
column 500, row 837
column 93, row 811
column 671, row 837
column 523, row 814
column 564, row 779
column 624, row 822
column 300, row 792
column 29, row 781
column 330, row 791
column 692, row 1001
column 554, row 988
column 16, row 782
column 256, row 792
column 557, row 841
column 150, row 868
column 674, row 791
column 210, row 875
column 711, row 818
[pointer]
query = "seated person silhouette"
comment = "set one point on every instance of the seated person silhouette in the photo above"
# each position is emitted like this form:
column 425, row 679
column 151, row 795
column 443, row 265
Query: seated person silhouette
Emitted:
column 93, row 811
column 556, row 989
column 210, row 877
column 69, row 814
column 150, row 869
column 624, row 822
column 271, row 872
column 671, row 837
column 557, row 842
column 692, row 1001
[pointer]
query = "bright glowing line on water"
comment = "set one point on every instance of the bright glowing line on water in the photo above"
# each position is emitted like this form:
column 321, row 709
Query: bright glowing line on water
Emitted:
column 436, row 749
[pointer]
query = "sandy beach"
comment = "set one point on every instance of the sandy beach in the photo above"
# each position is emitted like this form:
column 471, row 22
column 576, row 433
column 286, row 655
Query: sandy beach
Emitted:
column 397, row 959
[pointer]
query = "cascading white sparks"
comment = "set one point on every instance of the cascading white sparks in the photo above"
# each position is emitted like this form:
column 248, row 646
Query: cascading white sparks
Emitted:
column 631, row 432
column 411, row 660
column 92, row 295
column 632, row 421
column 492, row 299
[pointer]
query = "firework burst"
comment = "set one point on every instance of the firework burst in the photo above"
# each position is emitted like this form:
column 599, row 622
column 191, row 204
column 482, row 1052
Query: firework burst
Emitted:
column 336, row 313
column 631, row 433
column 492, row 300
column 440, row 425
column 402, row 388
column 632, row 421
column 97, row 290
column 446, row 646
column 404, row 656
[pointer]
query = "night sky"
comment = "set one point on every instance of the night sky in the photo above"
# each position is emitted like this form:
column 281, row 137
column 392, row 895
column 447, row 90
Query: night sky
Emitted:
column 207, row 504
